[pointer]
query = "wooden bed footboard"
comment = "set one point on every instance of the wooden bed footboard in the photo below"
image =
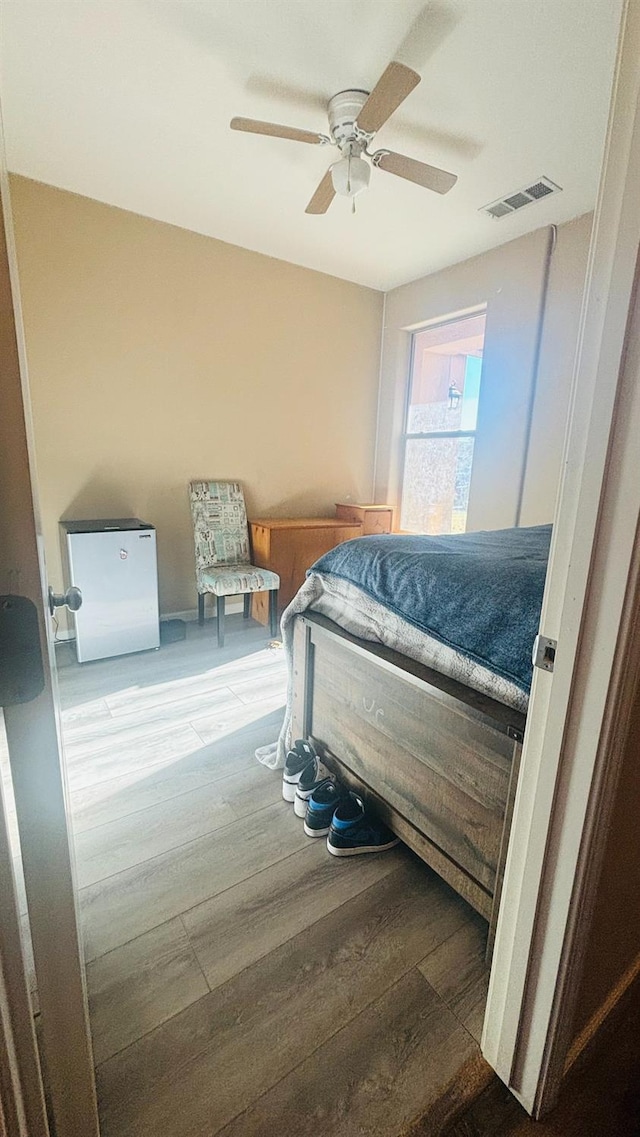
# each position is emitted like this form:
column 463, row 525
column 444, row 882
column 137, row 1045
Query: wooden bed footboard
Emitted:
column 439, row 760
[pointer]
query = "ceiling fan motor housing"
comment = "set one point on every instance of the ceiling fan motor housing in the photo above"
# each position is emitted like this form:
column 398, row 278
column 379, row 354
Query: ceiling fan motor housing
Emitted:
column 343, row 110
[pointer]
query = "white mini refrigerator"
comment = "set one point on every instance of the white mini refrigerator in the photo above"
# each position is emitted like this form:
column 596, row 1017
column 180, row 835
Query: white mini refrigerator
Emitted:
column 113, row 562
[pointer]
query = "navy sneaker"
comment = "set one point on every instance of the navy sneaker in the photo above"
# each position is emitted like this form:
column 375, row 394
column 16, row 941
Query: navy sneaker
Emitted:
column 311, row 779
column 297, row 760
column 321, row 806
column 354, row 830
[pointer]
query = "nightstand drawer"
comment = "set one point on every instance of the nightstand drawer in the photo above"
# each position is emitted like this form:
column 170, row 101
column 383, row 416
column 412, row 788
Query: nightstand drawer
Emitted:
column 373, row 518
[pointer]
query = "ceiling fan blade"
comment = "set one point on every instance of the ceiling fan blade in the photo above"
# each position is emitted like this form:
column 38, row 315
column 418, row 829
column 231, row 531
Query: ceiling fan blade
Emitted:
column 323, row 196
column 430, row 177
column 252, row 126
column 389, row 92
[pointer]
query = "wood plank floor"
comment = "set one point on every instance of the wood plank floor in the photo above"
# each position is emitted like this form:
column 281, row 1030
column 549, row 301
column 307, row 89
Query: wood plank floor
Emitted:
column 600, row 1096
column 241, row 981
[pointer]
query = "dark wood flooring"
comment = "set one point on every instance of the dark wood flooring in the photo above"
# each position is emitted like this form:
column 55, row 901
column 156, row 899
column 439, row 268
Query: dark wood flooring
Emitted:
column 242, row 981
column 599, row 1098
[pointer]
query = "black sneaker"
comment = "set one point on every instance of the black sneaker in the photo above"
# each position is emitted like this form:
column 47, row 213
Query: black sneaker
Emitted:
column 296, row 761
column 321, row 806
column 311, row 779
column 354, row 830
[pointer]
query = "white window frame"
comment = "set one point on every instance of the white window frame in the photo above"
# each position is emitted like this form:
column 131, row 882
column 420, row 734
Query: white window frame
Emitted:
column 409, row 436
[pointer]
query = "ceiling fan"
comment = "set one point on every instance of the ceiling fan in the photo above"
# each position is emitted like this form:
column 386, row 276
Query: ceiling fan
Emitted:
column 354, row 118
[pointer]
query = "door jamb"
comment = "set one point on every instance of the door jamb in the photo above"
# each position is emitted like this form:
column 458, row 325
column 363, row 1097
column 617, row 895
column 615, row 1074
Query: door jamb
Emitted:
column 34, row 739
column 22, row 1105
column 554, row 852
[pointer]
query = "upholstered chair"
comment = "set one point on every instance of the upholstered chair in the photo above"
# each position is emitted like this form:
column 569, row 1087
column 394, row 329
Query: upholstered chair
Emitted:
column 223, row 556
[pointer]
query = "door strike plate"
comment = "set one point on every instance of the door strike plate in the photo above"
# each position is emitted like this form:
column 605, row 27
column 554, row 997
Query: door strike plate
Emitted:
column 544, row 653
column 21, row 669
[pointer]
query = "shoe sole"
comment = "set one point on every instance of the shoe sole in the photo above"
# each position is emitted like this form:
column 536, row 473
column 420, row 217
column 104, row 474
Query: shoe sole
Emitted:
column 299, row 806
column 362, row 849
column 316, row 832
column 289, row 791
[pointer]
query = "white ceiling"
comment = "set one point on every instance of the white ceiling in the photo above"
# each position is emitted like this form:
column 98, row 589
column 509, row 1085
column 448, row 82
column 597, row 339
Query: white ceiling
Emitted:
column 128, row 101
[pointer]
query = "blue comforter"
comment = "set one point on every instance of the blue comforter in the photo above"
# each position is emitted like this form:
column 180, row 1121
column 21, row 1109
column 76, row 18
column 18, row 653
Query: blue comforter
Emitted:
column 479, row 593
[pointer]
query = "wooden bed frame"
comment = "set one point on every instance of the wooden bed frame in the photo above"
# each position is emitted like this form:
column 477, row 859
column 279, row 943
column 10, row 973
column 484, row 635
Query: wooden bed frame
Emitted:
column 439, row 760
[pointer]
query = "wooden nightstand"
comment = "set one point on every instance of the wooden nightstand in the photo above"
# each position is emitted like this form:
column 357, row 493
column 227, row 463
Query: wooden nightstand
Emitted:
column 373, row 518
column 289, row 546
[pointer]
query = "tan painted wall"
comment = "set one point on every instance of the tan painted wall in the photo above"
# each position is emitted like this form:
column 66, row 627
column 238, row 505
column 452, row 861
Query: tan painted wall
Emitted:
column 509, row 281
column 157, row 355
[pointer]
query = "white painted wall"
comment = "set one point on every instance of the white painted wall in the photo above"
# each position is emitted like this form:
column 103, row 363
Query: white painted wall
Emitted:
column 509, row 281
column 553, row 385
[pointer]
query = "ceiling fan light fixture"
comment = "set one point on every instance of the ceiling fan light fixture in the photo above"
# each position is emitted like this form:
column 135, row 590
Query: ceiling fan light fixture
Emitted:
column 350, row 176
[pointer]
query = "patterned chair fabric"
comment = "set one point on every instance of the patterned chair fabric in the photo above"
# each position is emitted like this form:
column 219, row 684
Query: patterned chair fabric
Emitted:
column 221, row 539
column 231, row 580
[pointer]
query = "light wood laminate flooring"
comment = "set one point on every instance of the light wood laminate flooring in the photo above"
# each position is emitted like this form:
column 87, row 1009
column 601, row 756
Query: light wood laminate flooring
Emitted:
column 242, row 981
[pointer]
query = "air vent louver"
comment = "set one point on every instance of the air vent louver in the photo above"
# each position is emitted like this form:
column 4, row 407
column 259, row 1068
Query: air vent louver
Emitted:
column 515, row 201
column 540, row 189
column 499, row 210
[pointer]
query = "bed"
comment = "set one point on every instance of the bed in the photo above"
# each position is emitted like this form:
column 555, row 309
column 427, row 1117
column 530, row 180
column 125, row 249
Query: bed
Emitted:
column 410, row 669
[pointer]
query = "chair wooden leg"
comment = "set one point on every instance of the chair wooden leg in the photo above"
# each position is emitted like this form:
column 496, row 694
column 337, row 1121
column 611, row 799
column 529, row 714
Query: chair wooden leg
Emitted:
column 273, row 611
column 247, row 605
column 220, row 608
column 201, row 608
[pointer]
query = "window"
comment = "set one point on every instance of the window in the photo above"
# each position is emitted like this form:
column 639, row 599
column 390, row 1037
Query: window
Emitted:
column 440, row 429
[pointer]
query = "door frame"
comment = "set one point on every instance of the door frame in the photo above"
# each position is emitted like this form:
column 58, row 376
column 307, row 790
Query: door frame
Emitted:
column 570, row 761
column 22, row 1103
column 566, row 776
column 34, row 741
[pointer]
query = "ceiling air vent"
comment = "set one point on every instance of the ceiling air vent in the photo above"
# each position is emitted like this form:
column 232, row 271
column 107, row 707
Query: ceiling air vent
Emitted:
column 515, row 201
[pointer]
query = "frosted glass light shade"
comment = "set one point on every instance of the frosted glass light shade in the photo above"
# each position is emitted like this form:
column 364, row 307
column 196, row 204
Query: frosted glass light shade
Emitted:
column 350, row 176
